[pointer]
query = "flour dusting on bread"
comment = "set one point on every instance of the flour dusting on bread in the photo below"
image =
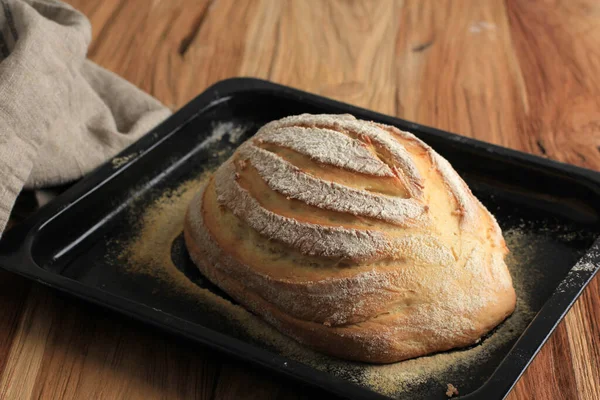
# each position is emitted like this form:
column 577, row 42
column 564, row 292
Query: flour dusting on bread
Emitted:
column 329, row 147
column 354, row 238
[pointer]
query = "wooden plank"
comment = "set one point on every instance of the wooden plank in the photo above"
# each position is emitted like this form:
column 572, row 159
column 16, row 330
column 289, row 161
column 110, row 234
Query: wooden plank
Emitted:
column 13, row 293
column 544, row 378
column 556, row 44
column 584, row 334
column 93, row 353
column 28, row 346
column 523, row 74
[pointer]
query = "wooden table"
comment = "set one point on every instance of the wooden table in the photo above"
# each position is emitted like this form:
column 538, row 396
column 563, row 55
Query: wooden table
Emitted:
column 522, row 74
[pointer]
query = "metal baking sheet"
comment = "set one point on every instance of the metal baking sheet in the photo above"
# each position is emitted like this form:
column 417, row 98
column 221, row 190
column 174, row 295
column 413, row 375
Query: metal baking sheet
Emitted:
column 81, row 243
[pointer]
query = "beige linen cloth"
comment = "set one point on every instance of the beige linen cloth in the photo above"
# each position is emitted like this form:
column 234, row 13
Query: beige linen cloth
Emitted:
column 60, row 114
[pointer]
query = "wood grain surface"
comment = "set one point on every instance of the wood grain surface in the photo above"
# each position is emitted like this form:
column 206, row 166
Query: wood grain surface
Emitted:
column 522, row 74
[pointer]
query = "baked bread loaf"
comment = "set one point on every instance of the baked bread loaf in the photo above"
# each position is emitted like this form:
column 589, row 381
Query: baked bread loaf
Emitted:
column 354, row 238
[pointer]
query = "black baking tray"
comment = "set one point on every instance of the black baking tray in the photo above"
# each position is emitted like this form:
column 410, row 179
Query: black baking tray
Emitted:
column 67, row 244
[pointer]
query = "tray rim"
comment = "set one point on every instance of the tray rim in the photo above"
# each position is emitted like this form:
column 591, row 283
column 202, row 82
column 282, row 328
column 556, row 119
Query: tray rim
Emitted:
column 17, row 257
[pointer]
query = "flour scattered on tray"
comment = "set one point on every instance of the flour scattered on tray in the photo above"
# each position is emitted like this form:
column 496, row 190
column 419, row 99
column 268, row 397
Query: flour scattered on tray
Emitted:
column 452, row 391
column 117, row 162
column 585, row 266
column 162, row 223
column 222, row 129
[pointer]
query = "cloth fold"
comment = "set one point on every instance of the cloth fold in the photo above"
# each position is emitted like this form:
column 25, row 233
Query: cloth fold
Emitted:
column 61, row 115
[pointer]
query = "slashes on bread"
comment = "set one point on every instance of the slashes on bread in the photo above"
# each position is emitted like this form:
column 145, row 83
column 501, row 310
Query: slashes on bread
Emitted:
column 355, row 238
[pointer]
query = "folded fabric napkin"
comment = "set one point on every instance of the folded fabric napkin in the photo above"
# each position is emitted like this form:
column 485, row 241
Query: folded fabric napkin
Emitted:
column 60, row 114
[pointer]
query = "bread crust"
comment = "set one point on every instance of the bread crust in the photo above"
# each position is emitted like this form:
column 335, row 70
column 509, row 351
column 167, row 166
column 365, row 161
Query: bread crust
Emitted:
column 400, row 262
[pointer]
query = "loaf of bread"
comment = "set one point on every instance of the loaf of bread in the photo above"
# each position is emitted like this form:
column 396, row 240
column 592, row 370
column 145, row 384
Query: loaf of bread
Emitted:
column 353, row 237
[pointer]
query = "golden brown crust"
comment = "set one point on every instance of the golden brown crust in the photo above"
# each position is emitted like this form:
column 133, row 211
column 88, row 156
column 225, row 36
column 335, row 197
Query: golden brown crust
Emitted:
column 358, row 274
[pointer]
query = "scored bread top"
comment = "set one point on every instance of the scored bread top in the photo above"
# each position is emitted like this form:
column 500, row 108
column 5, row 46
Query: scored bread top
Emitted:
column 371, row 175
column 329, row 221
